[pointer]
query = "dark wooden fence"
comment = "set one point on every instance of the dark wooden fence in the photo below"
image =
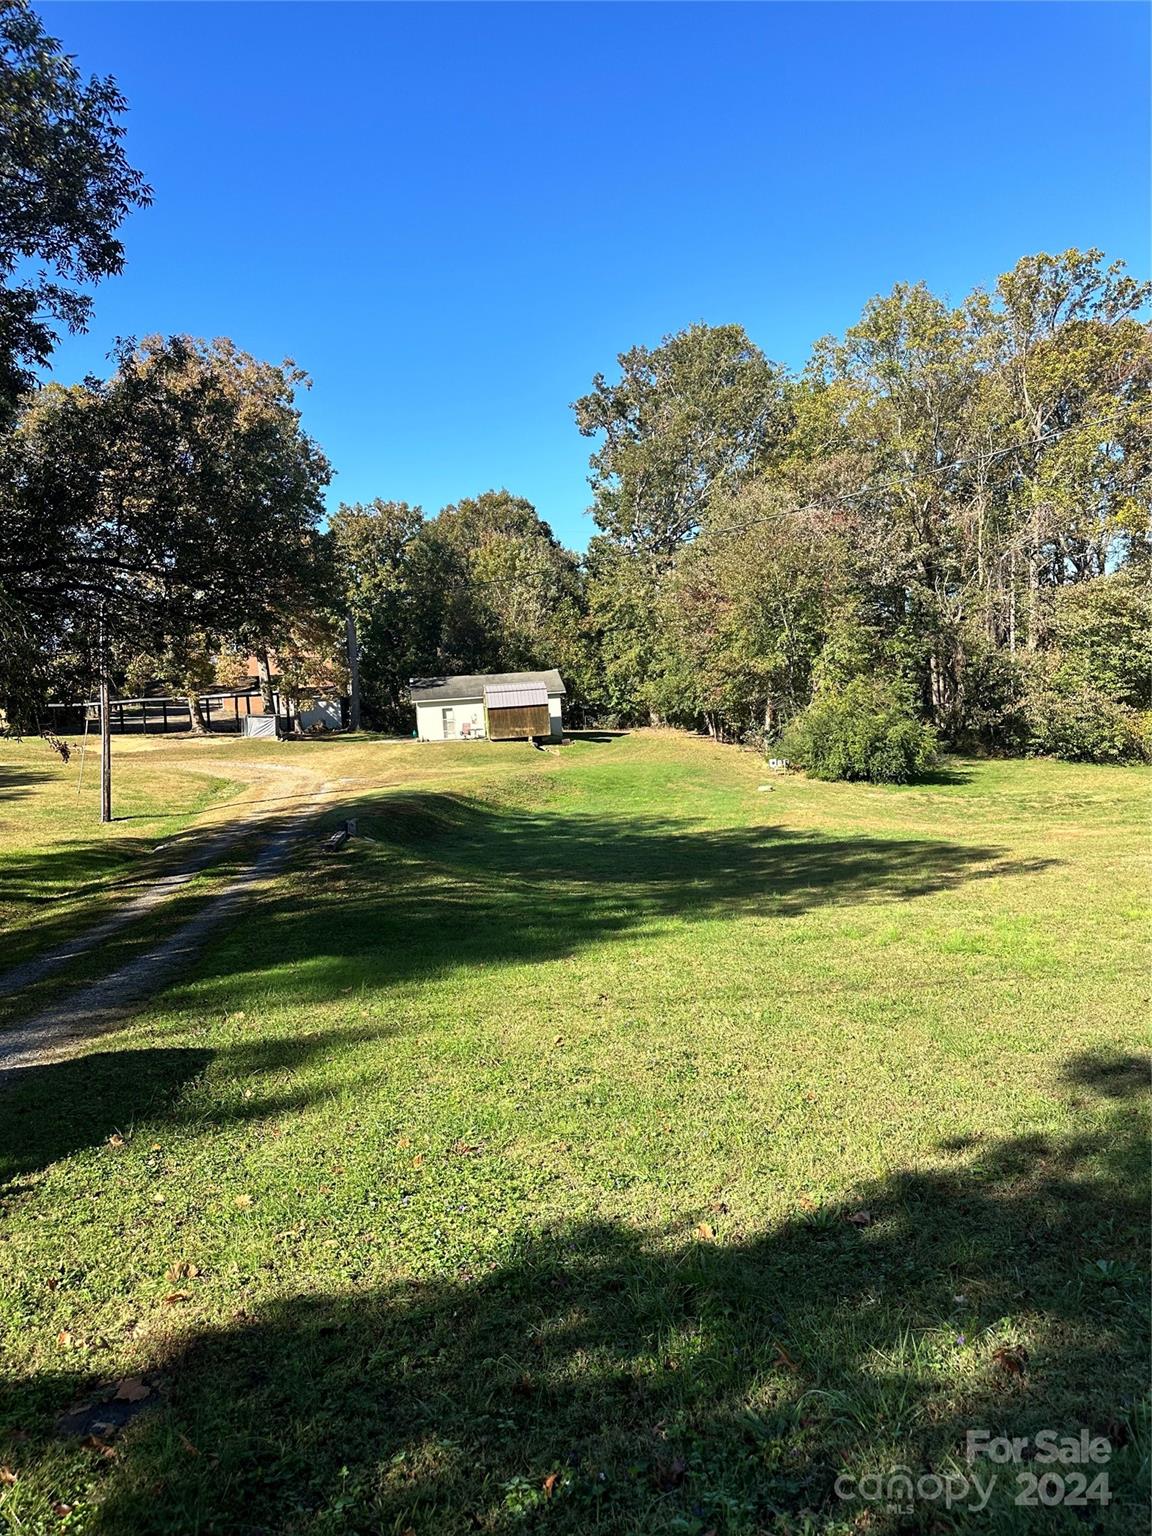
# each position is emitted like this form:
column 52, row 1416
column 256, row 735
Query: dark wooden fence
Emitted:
column 223, row 714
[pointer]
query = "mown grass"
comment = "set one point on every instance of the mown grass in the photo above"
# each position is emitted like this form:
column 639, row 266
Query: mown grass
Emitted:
column 603, row 1144
column 59, row 867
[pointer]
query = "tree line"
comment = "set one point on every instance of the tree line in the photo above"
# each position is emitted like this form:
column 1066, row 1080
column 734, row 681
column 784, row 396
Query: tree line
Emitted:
column 938, row 529
column 945, row 514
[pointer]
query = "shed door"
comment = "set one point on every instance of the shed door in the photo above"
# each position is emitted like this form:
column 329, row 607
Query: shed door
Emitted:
column 449, row 718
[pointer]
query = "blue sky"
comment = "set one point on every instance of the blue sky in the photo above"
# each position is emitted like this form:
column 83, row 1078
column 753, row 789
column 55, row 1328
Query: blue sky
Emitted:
column 453, row 216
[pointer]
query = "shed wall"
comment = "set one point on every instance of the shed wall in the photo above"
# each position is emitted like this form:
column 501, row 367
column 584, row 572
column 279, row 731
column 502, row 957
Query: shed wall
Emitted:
column 519, row 722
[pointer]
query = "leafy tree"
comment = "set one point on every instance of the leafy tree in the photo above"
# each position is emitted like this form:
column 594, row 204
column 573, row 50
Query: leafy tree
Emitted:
column 1100, row 635
column 969, row 483
column 482, row 587
column 746, row 613
column 623, row 597
column 388, row 579
column 65, row 187
column 1071, row 383
column 698, row 414
column 512, row 595
column 177, row 499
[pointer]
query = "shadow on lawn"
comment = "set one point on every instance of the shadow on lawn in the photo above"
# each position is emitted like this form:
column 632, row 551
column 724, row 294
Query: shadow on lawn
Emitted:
column 51, row 1110
column 16, row 780
column 437, row 883
column 605, row 1378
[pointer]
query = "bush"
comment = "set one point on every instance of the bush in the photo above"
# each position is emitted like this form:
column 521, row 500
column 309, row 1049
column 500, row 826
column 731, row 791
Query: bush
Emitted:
column 1083, row 725
column 866, row 729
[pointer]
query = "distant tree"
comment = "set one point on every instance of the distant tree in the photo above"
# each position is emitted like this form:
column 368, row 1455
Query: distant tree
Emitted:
column 180, row 499
column 388, row 583
column 700, row 413
column 65, row 187
column 512, row 592
column 746, row 613
column 1070, row 383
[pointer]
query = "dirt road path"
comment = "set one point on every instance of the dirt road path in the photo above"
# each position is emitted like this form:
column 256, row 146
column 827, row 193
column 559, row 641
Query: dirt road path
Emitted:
column 283, row 814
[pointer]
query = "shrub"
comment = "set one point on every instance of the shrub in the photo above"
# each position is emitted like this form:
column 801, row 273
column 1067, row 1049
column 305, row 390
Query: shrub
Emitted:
column 1083, row 724
column 866, row 729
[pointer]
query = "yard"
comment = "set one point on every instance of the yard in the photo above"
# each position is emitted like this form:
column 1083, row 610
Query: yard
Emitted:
column 598, row 1143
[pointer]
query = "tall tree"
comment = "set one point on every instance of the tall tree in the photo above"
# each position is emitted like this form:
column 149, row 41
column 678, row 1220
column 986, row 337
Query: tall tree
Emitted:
column 65, row 187
column 389, row 586
column 698, row 414
column 178, row 497
column 512, row 593
column 1071, row 385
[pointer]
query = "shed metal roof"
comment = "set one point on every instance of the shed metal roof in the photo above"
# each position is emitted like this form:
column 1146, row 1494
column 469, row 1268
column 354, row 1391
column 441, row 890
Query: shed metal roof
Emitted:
column 471, row 685
column 515, row 695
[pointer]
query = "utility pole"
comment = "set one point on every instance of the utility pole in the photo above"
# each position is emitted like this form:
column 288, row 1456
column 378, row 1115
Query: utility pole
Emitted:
column 353, row 675
column 105, row 731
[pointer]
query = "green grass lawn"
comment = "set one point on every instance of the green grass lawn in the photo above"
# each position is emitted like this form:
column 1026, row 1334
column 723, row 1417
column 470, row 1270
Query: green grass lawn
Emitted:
column 602, row 1144
column 59, row 868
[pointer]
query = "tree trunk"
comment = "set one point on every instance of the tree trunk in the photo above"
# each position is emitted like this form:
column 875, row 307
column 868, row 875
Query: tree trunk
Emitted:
column 1012, row 601
column 197, row 723
column 1033, row 634
column 266, row 690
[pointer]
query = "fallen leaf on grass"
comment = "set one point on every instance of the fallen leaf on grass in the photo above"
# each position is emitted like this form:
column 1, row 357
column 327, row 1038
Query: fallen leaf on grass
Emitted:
column 671, row 1474
column 418, row 1160
column 1012, row 1361
column 705, row 1232
column 785, row 1359
column 174, row 1298
column 550, row 1484
column 101, row 1447
column 7, row 1476
column 64, row 1339
column 131, row 1390
column 182, row 1270
column 860, row 1219
column 115, row 1140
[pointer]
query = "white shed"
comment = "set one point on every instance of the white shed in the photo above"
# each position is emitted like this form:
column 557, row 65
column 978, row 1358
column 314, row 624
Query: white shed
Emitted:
column 453, row 708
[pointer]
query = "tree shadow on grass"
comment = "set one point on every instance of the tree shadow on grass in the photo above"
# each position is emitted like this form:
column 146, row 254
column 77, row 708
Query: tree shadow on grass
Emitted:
column 16, row 780
column 696, row 1378
column 51, row 1110
column 437, row 882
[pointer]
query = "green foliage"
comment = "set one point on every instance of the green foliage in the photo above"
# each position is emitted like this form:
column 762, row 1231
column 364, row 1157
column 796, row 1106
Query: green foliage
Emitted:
column 176, row 499
column 948, row 491
column 482, row 587
column 865, row 730
column 65, row 186
column 699, row 413
column 1100, row 637
column 1083, row 724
